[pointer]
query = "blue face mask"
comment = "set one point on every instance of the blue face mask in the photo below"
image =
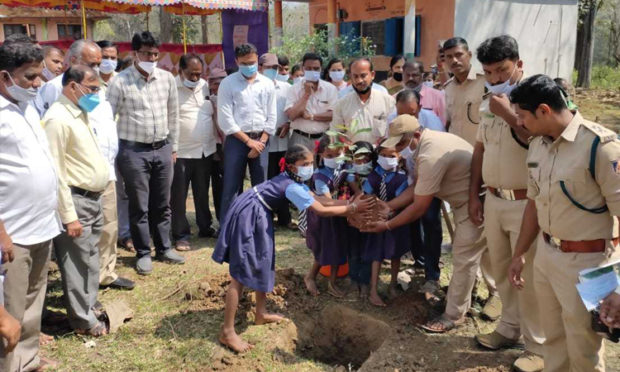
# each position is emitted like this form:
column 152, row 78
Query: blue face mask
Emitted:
column 305, row 173
column 281, row 77
column 270, row 73
column 248, row 71
column 88, row 102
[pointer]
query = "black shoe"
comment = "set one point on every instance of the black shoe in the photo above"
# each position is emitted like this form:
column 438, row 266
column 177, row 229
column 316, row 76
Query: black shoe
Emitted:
column 209, row 233
column 120, row 283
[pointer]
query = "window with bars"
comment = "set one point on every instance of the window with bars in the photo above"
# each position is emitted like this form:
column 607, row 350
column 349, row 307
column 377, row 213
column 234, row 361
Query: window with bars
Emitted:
column 26, row 29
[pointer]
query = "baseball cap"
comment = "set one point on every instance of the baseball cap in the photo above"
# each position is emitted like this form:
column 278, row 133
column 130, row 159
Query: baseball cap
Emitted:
column 268, row 59
column 401, row 125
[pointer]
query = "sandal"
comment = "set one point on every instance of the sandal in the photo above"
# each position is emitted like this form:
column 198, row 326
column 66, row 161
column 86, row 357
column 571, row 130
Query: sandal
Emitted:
column 182, row 246
column 127, row 243
column 441, row 324
column 98, row 330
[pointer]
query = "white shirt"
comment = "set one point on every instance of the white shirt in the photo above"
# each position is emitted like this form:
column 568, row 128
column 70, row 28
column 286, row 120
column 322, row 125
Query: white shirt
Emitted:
column 196, row 130
column 356, row 115
column 28, row 180
column 349, row 89
column 104, row 127
column 246, row 107
column 48, row 94
column 322, row 100
column 277, row 144
column 101, row 119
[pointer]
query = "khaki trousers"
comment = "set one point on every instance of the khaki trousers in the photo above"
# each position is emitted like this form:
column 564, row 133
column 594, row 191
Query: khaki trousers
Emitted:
column 467, row 249
column 520, row 314
column 109, row 236
column 24, row 292
column 571, row 345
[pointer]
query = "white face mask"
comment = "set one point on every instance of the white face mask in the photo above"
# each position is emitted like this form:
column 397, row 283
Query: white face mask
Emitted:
column 332, row 163
column 281, row 77
column 305, row 173
column 148, row 67
column 428, row 84
column 190, row 84
column 312, row 76
column 18, row 93
column 298, row 79
column 49, row 75
column 336, row 76
column 387, row 164
column 108, row 66
column 406, row 152
column 363, row 169
column 504, row 87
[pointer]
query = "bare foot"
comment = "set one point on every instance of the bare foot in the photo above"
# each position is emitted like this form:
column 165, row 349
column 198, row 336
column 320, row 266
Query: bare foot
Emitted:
column 45, row 339
column 364, row 292
column 311, row 286
column 233, row 341
column 334, row 291
column 393, row 291
column 376, row 300
column 268, row 318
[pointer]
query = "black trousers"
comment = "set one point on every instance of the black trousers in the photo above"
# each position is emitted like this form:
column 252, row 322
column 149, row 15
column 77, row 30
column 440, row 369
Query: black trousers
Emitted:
column 148, row 176
column 197, row 172
column 273, row 169
column 217, row 176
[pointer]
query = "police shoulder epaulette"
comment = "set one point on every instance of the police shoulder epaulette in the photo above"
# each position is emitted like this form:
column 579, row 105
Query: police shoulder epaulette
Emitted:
column 605, row 135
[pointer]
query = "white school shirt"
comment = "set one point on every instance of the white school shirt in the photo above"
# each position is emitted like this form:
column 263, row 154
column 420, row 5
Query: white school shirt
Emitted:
column 28, row 180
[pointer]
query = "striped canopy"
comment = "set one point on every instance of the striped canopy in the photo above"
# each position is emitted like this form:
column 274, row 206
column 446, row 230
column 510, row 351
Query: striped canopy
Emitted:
column 203, row 4
column 99, row 5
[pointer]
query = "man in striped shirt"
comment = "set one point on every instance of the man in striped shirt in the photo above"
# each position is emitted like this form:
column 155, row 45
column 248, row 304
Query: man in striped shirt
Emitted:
column 145, row 99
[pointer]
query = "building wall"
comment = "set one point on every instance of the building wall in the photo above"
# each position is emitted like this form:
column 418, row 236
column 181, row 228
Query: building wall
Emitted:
column 46, row 28
column 437, row 20
column 545, row 30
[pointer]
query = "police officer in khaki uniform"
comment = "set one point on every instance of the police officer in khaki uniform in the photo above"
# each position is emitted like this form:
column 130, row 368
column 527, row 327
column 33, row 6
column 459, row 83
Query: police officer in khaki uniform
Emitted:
column 499, row 161
column 442, row 164
column 464, row 93
column 573, row 201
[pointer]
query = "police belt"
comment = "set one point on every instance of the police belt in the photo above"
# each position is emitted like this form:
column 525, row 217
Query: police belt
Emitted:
column 508, row 194
column 583, row 246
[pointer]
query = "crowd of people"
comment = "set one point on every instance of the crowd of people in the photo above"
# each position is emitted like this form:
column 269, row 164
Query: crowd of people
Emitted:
column 97, row 154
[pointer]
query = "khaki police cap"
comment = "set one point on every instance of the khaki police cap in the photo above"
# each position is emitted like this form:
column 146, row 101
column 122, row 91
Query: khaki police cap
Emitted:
column 403, row 124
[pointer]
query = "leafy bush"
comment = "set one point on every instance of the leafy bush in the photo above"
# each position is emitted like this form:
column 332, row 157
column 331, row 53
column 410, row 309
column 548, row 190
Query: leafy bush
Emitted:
column 343, row 47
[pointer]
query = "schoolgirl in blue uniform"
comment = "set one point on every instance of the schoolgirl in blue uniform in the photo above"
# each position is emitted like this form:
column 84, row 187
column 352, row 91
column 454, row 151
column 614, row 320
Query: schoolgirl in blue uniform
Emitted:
column 324, row 235
column 246, row 239
column 363, row 162
column 386, row 182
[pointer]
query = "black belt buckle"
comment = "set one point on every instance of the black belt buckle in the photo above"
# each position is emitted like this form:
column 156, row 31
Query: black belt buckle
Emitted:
column 254, row 135
column 85, row 193
column 308, row 135
column 159, row 144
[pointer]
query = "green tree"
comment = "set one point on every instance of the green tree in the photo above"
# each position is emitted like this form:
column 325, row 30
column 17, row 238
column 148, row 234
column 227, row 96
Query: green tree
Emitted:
column 343, row 47
column 588, row 10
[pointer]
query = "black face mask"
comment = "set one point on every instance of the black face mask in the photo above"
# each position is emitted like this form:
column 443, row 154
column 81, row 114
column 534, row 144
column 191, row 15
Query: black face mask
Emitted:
column 363, row 91
column 398, row 76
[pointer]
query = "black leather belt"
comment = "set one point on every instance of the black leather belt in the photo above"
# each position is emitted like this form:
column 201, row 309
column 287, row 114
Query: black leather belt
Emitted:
column 308, row 135
column 254, row 135
column 85, row 193
column 155, row 145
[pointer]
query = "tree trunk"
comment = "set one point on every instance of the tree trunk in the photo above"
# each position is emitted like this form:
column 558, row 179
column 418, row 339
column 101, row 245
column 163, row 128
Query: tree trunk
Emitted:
column 165, row 27
column 578, row 50
column 587, row 46
column 205, row 33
